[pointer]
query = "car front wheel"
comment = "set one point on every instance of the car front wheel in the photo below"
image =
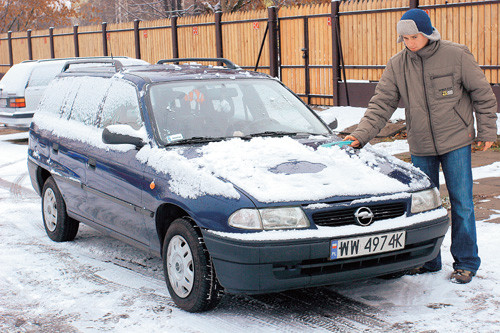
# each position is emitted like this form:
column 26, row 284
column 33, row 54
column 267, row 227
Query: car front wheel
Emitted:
column 58, row 225
column 188, row 269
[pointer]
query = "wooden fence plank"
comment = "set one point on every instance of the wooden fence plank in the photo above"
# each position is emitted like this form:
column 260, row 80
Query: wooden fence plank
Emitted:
column 495, row 47
column 486, row 10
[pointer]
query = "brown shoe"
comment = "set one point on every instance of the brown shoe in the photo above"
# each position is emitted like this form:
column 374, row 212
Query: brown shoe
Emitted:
column 461, row 276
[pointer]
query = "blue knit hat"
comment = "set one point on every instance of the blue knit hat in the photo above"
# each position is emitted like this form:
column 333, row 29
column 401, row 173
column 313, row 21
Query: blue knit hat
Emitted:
column 417, row 21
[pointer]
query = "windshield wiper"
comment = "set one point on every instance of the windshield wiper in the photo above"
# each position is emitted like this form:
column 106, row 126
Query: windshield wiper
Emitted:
column 278, row 133
column 196, row 139
column 270, row 133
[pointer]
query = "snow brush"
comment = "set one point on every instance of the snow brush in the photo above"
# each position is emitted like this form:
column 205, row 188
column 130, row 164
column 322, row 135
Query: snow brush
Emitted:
column 337, row 143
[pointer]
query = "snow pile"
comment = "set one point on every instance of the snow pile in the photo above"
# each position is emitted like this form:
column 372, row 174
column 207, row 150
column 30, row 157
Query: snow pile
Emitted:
column 348, row 115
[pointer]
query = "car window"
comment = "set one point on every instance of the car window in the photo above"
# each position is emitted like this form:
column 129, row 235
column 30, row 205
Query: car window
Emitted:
column 59, row 96
column 226, row 108
column 89, row 99
column 121, row 106
column 16, row 78
column 43, row 73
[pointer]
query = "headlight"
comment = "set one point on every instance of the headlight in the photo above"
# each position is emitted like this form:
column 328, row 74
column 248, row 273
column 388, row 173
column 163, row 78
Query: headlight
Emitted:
column 269, row 218
column 246, row 219
column 425, row 200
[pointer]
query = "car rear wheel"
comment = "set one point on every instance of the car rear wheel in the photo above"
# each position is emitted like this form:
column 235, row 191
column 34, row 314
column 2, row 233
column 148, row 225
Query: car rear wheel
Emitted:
column 58, row 225
column 188, row 269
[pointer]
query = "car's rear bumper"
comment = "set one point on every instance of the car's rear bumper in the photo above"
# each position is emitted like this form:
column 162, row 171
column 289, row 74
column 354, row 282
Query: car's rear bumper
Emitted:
column 20, row 119
column 252, row 267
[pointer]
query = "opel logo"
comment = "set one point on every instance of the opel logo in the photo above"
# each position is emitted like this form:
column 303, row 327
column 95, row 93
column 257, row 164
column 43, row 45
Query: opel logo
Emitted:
column 364, row 216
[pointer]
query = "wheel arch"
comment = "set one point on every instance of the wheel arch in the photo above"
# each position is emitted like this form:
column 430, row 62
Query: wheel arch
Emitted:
column 165, row 215
column 41, row 177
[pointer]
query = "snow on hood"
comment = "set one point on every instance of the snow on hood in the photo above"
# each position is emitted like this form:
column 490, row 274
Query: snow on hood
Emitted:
column 188, row 179
column 276, row 170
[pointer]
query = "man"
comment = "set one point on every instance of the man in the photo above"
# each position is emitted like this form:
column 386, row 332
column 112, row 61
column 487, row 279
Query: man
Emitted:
column 440, row 85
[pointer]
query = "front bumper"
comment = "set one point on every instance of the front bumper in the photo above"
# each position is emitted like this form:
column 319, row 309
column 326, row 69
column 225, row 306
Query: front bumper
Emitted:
column 254, row 267
column 16, row 119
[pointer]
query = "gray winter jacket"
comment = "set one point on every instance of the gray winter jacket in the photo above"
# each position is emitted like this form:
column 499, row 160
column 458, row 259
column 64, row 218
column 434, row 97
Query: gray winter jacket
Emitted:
column 440, row 85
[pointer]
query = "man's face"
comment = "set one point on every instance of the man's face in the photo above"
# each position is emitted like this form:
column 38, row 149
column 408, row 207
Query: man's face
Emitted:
column 415, row 42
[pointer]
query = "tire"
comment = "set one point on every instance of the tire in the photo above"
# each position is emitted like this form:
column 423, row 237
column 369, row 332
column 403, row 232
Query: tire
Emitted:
column 188, row 269
column 58, row 225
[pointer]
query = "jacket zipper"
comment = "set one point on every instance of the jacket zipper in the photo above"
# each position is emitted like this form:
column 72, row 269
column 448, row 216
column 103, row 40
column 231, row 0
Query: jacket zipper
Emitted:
column 428, row 108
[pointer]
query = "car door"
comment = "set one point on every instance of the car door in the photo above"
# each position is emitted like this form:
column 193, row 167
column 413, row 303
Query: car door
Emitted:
column 114, row 175
column 61, row 144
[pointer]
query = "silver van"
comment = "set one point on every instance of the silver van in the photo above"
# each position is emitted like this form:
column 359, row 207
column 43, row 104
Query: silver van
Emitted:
column 22, row 87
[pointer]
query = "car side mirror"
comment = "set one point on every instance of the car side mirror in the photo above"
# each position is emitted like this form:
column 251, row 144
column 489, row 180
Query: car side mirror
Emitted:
column 333, row 125
column 122, row 134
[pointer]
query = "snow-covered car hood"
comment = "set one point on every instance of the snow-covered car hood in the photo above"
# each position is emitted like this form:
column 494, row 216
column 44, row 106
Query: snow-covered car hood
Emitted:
column 281, row 170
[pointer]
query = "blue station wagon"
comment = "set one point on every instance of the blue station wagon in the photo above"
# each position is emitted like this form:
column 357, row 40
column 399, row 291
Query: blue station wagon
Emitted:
column 228, row 176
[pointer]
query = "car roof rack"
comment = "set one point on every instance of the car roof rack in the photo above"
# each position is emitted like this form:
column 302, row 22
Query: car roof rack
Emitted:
column 117, row 65
column 229, row 64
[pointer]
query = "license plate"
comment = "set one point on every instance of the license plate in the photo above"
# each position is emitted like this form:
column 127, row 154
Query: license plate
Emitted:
column 361, row 246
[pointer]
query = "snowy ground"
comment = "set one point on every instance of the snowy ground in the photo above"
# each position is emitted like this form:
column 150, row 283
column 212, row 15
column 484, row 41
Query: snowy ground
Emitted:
column 99, row 284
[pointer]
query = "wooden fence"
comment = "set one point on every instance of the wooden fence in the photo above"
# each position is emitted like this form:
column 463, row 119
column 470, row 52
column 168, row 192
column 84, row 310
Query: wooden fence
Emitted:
column 309, row 47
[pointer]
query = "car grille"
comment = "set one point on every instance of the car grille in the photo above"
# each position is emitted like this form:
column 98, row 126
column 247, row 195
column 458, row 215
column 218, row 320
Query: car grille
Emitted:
column 346, row 216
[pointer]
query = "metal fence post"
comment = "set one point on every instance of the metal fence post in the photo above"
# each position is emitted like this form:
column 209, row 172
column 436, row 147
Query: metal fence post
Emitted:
column 105, row 39
column 30, row 45
column 9, row 42
column 137, row 39
column 51, row 43
column 273, row 41
column 175, row 43
column 75, row 40
column 414, row 4
column 335, row 52
column 218, row 35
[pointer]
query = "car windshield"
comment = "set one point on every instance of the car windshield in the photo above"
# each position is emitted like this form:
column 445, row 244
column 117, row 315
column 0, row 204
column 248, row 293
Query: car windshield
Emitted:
column 209, row 109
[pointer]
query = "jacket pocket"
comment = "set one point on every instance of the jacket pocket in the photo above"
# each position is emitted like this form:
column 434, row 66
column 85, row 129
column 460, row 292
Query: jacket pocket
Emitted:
column 461, row 118
column 443, row 85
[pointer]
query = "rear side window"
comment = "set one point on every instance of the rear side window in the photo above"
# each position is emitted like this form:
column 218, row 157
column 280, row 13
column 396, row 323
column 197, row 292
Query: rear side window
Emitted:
column 121, row 106
column 16, row 78
column 44, row 73
column 89, row 99
column 59, row 96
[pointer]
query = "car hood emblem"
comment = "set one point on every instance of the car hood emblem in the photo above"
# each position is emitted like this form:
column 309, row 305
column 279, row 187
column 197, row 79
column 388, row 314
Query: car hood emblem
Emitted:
column 364, row 216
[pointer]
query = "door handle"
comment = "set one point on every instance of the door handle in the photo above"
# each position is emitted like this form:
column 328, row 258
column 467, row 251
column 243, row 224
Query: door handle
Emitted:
column 55, row 147
column 91, row 163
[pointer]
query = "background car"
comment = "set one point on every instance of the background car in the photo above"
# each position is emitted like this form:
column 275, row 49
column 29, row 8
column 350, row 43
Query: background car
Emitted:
column 23, row 85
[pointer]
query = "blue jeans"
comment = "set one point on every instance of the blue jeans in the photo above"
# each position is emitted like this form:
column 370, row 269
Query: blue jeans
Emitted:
column 457, row 171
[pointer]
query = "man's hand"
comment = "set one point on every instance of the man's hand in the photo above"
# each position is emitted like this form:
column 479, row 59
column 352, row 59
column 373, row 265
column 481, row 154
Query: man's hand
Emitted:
column 355, row 142
column 487, row 145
